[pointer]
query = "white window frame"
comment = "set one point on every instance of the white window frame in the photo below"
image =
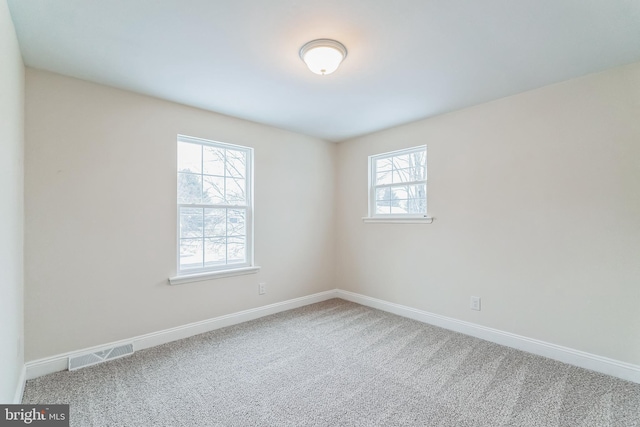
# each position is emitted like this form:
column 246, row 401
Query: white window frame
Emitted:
column 224, row 270
column 395, row 218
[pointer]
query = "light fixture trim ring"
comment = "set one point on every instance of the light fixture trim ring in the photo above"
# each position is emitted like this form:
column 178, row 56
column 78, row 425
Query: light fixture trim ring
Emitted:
column 323, row 43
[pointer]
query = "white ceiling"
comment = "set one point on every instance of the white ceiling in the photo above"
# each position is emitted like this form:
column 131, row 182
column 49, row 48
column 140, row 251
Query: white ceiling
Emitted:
column 408, row 59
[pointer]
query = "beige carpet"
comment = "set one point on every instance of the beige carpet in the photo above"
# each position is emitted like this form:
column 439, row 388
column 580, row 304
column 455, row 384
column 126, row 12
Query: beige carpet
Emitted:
column 337, row 363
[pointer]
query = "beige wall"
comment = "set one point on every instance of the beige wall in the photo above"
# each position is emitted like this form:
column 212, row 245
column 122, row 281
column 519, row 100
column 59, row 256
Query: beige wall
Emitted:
column 11, row 207
column 536, row 200
column 537, row 206
column 101, row 215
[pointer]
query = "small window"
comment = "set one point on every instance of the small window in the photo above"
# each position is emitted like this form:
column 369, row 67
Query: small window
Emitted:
column 398, row 184
column 214, row 206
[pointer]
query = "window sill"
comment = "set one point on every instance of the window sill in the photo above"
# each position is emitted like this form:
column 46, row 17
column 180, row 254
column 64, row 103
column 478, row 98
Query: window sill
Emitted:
column 399, row 220
column 211, row 275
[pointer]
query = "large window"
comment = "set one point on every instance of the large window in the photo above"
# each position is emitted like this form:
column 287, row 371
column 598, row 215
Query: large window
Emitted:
column 398, row 184
column 214, row 206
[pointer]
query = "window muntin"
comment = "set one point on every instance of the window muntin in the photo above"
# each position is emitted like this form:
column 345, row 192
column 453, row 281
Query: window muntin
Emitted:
column 398, row 183
column 214, row 206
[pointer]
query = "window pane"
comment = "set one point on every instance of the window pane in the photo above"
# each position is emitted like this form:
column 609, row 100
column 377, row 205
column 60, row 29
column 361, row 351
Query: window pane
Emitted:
column 383, row 193
column 408, row 175
column 399, row 207
column 190, row 222
column 416, row 191
column 416, row 206
column 189, row 188
column 214, row 251
column 383, row 178
column 401, row 162
column 213, row 188
column 419, row 173
column 382, row 209
column 235, row 191
column 190, row 253
column 418, row 165
column 213, row 160
column 383, row 165
column 189, row 157
column 236, row 163
column 236, row 252
column 398, row 176
column 236, row 225
column 409, row 206
column 215, row 222
column 398, row 193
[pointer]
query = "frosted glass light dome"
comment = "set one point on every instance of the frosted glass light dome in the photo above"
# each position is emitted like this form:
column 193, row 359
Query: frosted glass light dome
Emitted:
column 323, row 56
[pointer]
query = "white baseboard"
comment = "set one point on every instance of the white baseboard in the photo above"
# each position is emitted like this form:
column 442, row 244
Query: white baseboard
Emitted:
column 17, row 398
column 59, row 362
column 616, row 368
column 625, row 371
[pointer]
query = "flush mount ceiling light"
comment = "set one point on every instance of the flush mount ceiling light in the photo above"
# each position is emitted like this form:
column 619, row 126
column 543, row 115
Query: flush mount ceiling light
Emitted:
column 323, row 56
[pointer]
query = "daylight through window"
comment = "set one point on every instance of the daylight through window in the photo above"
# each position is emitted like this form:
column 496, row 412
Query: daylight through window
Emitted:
column 398, row 183
column 214, row 205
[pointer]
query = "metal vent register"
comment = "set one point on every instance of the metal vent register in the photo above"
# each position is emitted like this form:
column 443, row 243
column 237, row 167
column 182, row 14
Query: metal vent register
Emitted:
column 89, row 359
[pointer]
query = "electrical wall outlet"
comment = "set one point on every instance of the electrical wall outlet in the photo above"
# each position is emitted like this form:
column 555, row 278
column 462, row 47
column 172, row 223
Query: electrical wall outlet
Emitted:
column 262, row 288
column 475, row 303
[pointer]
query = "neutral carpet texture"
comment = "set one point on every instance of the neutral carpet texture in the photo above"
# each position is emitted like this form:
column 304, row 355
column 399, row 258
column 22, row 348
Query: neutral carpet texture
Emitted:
column 337, row 363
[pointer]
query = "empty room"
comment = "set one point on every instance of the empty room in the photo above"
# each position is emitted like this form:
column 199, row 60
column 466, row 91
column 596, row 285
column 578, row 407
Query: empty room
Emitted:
column 337, row 213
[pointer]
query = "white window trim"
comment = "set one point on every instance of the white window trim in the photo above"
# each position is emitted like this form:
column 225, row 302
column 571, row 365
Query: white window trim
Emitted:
column 228, row 270
column 374, row 218
column 211, row 275
column 399, row 220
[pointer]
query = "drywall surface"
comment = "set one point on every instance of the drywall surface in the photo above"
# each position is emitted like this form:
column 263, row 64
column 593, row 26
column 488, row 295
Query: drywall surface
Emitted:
column 536, row 200
column 101, row 215
column 11, row 207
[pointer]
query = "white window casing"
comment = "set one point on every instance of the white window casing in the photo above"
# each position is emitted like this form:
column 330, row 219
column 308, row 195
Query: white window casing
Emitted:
column 214, row 210
column 398, row 187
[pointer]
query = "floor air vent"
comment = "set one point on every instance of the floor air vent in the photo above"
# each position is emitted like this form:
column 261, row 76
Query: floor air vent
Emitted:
column 89, row 359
